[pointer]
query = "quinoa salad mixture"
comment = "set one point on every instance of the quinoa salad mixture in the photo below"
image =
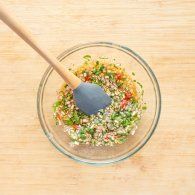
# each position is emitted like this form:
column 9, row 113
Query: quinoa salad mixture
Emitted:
column 112, row 125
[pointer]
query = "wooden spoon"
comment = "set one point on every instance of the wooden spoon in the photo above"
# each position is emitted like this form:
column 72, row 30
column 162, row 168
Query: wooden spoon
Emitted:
column 90, row 98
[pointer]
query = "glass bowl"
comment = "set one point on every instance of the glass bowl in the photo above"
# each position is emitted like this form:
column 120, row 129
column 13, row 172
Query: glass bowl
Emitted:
column 51, row 83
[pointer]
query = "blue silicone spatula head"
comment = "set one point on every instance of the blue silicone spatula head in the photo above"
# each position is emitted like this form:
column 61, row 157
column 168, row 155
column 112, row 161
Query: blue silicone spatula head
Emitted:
column 90, row 98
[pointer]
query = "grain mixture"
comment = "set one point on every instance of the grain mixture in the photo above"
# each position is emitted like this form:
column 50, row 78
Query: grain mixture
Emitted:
column 112, row 125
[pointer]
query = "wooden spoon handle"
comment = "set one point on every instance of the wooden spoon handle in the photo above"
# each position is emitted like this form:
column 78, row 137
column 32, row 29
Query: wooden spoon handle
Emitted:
column 72, row 80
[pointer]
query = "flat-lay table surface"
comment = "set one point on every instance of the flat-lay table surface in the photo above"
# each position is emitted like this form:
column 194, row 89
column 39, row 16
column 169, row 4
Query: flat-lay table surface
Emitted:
column 163, row 33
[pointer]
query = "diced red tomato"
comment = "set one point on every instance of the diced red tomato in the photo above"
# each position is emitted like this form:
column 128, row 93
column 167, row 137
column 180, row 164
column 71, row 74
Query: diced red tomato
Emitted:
column 128, row 95
column 87, row 78
column 75, row 127
column 124, row 103
column 106, row 138
column 118, row 77
column 59, row 117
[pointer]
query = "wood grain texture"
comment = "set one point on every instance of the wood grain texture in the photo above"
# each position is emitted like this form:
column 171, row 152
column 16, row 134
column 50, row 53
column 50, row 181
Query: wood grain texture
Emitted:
column 163, row 33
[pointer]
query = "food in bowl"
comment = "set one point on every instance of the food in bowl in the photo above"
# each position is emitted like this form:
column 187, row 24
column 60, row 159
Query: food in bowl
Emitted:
column 109, row 126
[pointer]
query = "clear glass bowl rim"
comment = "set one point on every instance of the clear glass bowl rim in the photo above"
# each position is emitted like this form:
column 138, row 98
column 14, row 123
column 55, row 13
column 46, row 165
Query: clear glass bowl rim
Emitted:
column 96, row 44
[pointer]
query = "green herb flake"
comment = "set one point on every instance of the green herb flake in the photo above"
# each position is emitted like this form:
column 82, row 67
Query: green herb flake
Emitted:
column 82, row 136
column 140, row 84
column 69, row 122
column 102, row 57
column 56, row 105
column 91, row 131
column 119, row 84
column 101, row 68
column 87, row 57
